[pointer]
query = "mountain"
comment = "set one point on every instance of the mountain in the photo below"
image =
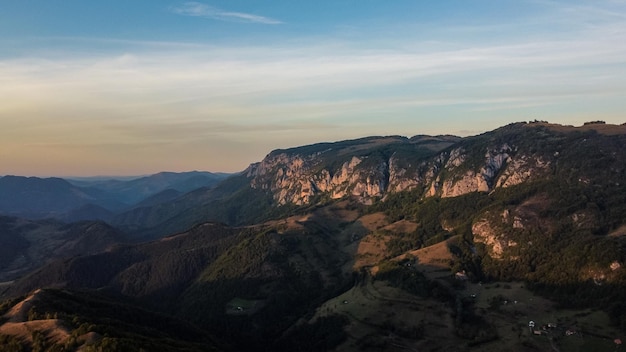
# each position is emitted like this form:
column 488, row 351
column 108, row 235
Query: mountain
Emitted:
column 232, row 201
column 366, row 168
column 376, row 167
column 172, row 275
column 34, row 197
column 93, row 199
column 438, row 166
column 26, row 245
column 136, row 190
column 387, row 243
column 185, row 254
column 87, row 212
column 250, row 197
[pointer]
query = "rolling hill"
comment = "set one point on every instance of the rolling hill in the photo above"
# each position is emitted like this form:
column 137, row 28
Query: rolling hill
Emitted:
column 26, row 245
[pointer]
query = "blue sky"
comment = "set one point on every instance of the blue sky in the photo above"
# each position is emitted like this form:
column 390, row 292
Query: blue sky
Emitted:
column 134, row 87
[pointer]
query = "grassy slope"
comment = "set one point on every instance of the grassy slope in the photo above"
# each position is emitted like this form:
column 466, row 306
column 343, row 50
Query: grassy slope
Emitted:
column 66, row 321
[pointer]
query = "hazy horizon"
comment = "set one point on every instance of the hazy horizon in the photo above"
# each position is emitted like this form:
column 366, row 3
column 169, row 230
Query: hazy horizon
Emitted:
column 135, row 176
column 118, row 88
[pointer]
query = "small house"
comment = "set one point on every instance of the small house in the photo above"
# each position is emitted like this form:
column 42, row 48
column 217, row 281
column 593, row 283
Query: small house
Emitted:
column 461, row 275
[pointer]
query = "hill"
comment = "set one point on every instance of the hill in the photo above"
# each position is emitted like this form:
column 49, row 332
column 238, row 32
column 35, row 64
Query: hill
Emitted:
column 94, row 199
column 26, row 245
column 136, row 190
column 63, row 320
column 36, row 198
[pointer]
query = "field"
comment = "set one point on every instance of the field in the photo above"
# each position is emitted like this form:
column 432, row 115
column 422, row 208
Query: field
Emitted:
column 386, row 318
column 512, row 306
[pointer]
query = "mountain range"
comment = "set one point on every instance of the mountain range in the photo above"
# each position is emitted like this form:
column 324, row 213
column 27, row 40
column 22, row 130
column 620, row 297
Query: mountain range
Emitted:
column 374, row 244
column 93, row 199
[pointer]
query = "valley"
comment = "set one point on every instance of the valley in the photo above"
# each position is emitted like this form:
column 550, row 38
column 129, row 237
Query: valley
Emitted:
column 426, row 243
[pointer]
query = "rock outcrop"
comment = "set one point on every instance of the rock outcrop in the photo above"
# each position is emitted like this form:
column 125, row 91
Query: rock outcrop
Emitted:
column 441, row 166
column 489, row 232
column 500, row 168
column 374, row 167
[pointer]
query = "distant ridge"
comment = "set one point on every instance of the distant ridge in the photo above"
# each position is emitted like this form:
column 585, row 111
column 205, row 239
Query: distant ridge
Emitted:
column 91, row 198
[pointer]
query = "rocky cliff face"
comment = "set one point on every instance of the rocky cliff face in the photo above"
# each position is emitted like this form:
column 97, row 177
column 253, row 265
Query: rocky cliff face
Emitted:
column 296, row 179
column 373, row 167
column 563, row 168
column 500, row 167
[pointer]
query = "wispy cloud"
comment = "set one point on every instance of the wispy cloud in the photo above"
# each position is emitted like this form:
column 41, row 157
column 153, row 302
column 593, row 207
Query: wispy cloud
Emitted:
column 240, row 83
column 143, row 95
column 197, row 9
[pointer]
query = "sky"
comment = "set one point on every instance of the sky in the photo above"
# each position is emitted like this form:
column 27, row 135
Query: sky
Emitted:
column 122, row 87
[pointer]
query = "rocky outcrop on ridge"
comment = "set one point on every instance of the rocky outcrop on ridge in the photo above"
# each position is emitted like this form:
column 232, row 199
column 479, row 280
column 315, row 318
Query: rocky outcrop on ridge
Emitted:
column 372, row 167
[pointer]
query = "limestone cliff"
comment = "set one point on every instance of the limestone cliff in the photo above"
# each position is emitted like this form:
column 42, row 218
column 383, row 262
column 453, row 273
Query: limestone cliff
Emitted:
column 442, row 166
column 499, row 231
column 297, row 178
column 500, row 167
column 367, row 168
column 373, row 167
